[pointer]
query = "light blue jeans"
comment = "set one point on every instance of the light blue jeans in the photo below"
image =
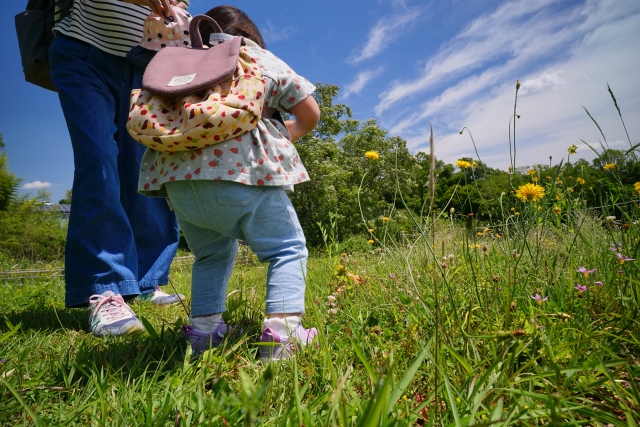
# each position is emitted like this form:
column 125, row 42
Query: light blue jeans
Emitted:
column 118, row 240
column 213, row 215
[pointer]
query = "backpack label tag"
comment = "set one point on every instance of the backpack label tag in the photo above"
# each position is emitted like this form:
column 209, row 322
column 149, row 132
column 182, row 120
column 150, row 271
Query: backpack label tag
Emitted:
column 181, row 80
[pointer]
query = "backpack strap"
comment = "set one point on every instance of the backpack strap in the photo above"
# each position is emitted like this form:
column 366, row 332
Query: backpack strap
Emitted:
column 194, row 29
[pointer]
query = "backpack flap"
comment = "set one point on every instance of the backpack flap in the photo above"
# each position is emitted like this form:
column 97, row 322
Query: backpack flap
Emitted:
column 176, row 71
column 195, row 97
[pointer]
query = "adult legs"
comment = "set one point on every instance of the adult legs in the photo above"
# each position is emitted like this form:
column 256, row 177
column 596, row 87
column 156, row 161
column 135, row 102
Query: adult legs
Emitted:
column 117, row 240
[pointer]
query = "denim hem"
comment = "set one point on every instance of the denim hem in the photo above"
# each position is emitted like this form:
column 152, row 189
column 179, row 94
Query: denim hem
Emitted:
column 205, row 310
column 80, row 297
column 277, row 308
column 151, row 285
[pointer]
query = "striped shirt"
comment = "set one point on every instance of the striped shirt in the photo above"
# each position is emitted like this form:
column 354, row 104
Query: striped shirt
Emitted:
column 112, row 26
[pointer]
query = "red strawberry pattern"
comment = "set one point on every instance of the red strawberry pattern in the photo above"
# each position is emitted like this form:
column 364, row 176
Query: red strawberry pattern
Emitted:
column 263, row 156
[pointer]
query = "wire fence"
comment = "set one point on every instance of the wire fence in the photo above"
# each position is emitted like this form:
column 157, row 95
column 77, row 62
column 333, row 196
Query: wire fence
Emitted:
column 244, row 257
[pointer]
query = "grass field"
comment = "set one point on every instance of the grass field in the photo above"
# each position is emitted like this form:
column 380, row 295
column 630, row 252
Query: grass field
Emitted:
column 449, row 326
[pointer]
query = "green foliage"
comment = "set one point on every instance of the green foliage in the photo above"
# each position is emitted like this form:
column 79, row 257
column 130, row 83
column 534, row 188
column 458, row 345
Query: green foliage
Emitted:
column 8, row 183
column 27, row 231
column 531, row 320
column 334, row 157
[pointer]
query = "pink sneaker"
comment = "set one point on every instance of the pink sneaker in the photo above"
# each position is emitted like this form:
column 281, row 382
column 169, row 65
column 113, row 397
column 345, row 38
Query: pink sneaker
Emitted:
column 111, row 316
column 274, row 347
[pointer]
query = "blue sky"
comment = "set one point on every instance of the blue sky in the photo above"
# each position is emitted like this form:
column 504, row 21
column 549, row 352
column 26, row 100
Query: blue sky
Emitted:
column 407, row 63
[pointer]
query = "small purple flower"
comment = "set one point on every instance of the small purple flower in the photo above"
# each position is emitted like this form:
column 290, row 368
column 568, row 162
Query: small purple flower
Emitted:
column 533, row 319
column 580, row 288
column 3, row 361
column 598, row 283
column 392, row 276
column 623, row 258
column 499, row 289
column 584, row 271
column 538, row 298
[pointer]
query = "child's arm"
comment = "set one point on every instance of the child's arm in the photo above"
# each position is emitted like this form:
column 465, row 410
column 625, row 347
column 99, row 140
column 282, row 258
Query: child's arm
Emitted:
column 307, row 114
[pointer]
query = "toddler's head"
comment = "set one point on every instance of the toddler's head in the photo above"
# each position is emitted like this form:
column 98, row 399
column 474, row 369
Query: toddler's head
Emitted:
column 235, row 22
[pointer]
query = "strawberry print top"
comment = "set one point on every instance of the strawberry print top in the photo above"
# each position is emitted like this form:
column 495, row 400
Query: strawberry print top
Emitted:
column 263, row 156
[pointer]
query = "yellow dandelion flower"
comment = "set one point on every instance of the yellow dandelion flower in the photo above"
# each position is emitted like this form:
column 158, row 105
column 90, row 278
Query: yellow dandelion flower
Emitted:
column 531, row 172
column 534, row 179
column 556, row 210
column 474, row 164
column 530, row 192
column 370, row 242
column 570, row 189
column 636, row 186
column 463, row 164
column 609, row 166
column 572, row 149
column 513, row 209
column 539, row 208
column 498, row 236
column 371, row 230
column 372, row 155
column 580, row 180
column 516, row 213
column 385, row 218
column 479, row 234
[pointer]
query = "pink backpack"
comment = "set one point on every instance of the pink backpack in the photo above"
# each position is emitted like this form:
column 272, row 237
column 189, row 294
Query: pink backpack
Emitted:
column 196, row 97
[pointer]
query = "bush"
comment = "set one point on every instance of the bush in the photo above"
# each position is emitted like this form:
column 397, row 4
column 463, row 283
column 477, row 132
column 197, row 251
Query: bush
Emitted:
column 28, row 233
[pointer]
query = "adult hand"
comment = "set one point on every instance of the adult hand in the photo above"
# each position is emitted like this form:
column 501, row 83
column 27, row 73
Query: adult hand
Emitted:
column 183, row 5
column 159, row 7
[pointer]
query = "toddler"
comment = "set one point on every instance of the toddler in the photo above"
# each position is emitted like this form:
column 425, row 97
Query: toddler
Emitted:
column 236, row 190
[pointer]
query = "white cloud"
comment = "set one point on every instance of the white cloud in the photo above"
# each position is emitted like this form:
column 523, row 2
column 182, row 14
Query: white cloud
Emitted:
column 361, row 80
column 564, row 59
column 384, row 32
column 551, row 115
column 36, row 185
column 273, row 33
column 513, row 36
column 546, row 81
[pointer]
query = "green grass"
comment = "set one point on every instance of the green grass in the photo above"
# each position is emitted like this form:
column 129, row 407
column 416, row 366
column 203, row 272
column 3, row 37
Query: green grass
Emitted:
column 502, row 357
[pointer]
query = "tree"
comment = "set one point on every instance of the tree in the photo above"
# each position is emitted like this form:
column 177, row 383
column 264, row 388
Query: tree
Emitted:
column 8, row 183
column 67, row 198
column 334, row 155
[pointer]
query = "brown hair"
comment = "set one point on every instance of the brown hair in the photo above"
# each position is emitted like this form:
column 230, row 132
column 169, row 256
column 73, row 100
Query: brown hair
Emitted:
column 235, row 22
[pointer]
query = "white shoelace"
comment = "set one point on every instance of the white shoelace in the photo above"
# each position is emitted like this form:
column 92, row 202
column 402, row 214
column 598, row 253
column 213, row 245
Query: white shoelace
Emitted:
column 112, row 307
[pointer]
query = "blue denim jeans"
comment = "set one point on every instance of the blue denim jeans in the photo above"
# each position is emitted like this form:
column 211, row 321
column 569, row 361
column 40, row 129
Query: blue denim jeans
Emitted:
column 213, row 215
column 118, row 240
